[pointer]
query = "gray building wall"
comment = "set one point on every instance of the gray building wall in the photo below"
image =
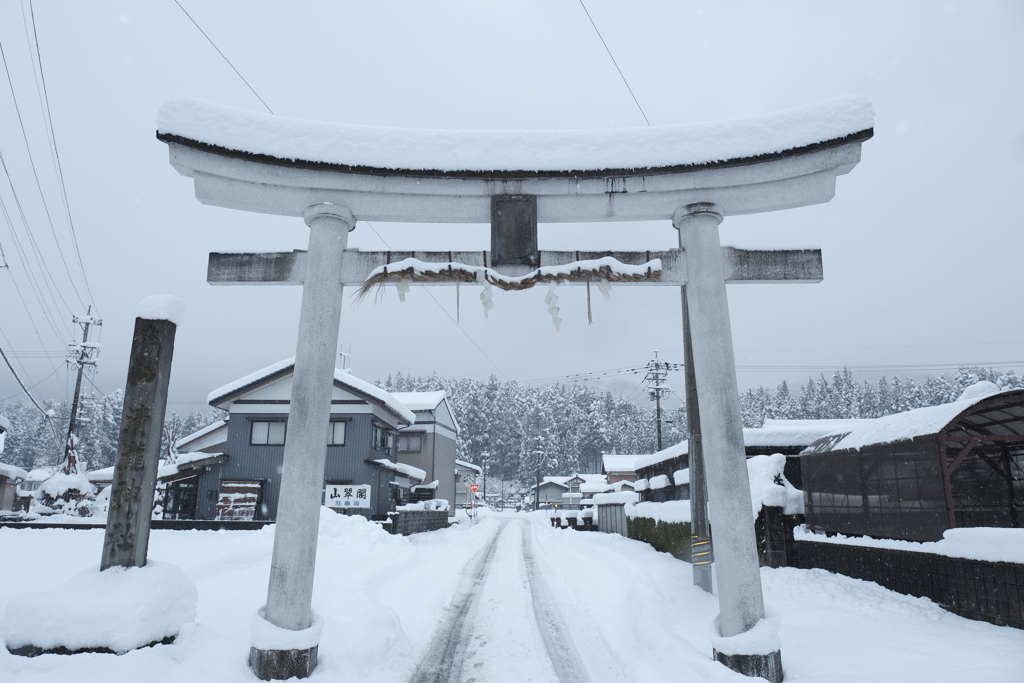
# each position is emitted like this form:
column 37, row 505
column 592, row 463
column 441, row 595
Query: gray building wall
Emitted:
column 437, row 459
column 345, row 464
column 552, row 491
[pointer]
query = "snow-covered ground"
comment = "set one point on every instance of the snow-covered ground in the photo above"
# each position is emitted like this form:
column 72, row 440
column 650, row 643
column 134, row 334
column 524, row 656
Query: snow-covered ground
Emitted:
column 498, row 597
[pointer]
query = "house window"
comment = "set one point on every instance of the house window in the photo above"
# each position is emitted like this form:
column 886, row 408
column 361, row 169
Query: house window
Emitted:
column 410, row 443
column 267, row 433
column 336, row 434
column 381, row 439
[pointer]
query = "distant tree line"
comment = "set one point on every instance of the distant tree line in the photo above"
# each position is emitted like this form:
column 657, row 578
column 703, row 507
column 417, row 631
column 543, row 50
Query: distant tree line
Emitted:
column 512, row 429
column 35, row 441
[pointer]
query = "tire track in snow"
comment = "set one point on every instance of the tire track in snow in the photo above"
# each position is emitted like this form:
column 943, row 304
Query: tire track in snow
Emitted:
column 446, row 653
column 554, row 631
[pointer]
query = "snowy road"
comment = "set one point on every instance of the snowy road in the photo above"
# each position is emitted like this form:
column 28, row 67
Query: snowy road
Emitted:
column 504, row 623
column 510, row 599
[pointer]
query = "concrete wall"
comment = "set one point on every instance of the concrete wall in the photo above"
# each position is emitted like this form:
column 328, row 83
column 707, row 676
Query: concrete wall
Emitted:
column 416, row 521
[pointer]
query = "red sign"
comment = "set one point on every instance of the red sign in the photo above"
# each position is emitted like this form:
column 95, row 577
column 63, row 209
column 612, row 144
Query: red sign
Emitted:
column 474, row 487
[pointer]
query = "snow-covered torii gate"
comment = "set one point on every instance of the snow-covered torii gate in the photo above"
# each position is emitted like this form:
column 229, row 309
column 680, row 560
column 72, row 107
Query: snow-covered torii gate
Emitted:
column 694, row 175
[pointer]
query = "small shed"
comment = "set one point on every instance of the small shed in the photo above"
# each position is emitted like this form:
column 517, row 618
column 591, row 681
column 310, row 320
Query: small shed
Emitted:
column 619, row 467
column 915, row 474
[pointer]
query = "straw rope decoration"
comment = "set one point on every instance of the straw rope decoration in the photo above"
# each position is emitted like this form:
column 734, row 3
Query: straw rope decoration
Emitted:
column 459, row 273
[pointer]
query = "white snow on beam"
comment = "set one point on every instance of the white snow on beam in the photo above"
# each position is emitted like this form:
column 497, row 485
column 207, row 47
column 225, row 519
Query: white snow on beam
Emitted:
column 509, row 150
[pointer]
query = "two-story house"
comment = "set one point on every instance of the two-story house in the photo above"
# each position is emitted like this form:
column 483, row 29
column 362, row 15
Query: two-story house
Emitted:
column 243, row 480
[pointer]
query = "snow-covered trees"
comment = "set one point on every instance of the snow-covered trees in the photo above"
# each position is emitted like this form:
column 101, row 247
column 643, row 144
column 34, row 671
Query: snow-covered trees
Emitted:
column 843, row 398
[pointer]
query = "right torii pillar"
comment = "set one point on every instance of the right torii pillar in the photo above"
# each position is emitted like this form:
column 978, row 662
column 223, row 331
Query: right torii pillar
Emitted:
column 729, row 507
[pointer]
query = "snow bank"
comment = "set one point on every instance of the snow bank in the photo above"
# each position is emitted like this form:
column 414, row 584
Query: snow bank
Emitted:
column 266, row 636
column 681, row 477
column 763, row 639
column 641, row 485
column 161, row 307
column 118, row 609
column 988, row 544
column 530, row 150
column 672, row 511
column 765, row 473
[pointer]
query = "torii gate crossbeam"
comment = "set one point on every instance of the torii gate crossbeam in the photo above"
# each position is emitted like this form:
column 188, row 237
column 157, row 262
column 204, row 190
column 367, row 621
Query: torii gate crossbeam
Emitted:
column 333, row 175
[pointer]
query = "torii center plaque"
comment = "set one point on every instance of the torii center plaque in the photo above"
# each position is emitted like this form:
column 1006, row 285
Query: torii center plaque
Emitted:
column 333, row 175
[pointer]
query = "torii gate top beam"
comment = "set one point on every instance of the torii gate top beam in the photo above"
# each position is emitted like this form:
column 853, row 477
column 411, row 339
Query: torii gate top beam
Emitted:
column 271, row 164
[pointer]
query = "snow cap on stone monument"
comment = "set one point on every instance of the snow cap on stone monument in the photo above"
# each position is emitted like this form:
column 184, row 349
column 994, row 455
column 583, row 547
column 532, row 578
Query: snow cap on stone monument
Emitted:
column 161, row 307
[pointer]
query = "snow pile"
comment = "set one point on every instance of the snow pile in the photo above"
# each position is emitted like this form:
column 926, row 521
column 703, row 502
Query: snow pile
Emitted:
column 988, row 544
column 641, row 485
column 619, row 498
column 118, row 609
column 65, row 494
column 161, row 307
column 763, row 639
column 681, row 477
column 659, row 482
column 530, row 150
column 266, row 636
column 435, row 504
column 769, row 487
column 672, row 511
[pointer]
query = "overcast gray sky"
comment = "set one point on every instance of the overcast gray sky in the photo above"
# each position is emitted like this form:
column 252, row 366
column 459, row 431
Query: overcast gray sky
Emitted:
column 922, row 243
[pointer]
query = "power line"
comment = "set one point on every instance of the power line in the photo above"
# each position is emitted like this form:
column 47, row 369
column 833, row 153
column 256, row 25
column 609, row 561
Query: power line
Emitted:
column 223, row 55
column 56, row 153
column 621, row 75
column 49, row 417
column 33, row 281
column 39, row 186
column 454, row 322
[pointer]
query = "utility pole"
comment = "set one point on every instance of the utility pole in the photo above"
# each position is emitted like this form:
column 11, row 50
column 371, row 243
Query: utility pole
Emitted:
column 81, row 355
column 657, row 374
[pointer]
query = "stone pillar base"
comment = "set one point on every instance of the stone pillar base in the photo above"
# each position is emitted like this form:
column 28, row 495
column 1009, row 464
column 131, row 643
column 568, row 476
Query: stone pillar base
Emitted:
column 766, row 666
column 279, row 665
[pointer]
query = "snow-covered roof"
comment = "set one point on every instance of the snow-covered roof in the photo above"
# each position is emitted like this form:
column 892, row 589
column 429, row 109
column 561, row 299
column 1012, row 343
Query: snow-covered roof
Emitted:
column 5, row 424
column 595, row 487
column 345, row 379
column 427, row 401
column 296, row 141
column 681, row 448
column 420, row 400
column 403, row 469
column 12, row 472
column 783, row 433
column 469, row 466
column 194, row 436
column 619, row 463
column 909, row 424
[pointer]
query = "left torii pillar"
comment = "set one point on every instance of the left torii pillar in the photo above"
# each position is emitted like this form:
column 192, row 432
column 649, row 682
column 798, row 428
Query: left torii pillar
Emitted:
column 290, row 593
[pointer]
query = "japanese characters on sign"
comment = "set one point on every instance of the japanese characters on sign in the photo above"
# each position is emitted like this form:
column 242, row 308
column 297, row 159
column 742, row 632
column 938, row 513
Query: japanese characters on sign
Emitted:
column 347, row 495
